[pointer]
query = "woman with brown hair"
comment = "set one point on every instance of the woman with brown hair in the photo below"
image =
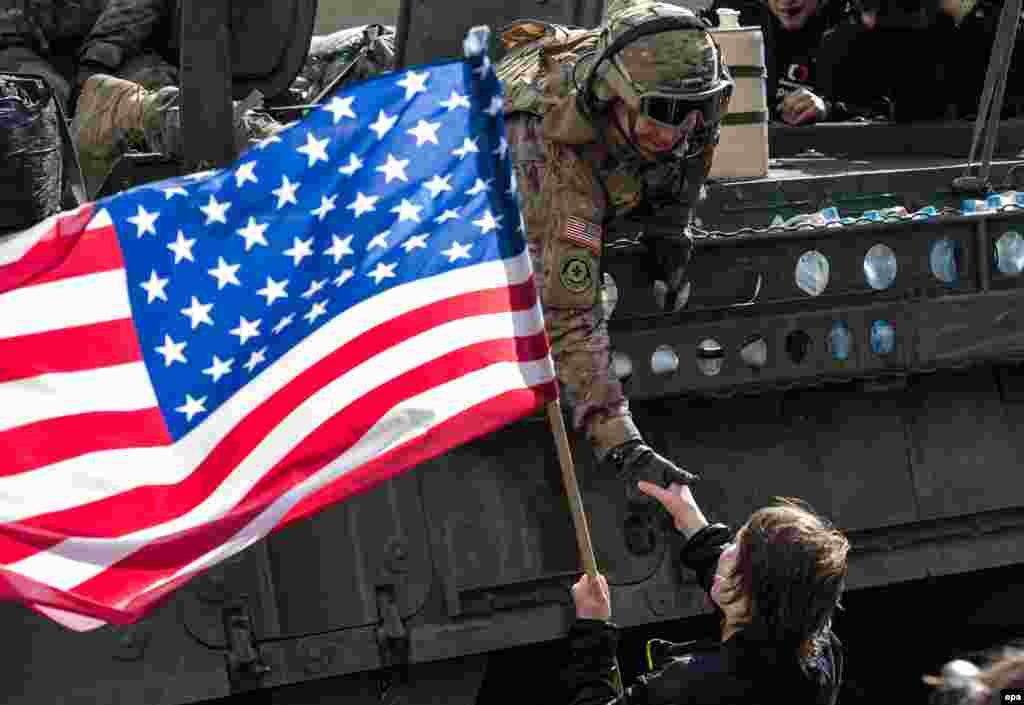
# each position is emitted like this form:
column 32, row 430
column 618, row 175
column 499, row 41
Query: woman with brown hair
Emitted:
column 776, row 583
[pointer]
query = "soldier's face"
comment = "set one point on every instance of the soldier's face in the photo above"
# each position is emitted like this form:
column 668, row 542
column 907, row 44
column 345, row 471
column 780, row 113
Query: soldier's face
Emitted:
column 654, row 136
column 793, row 14
column 651, row 136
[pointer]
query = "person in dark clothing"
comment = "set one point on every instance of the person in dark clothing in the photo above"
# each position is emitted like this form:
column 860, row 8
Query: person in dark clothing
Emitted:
column 929, row 57
column 798, row 36
column 137, row 40
column 40, row 38
column 776, row 583
column 66, row 42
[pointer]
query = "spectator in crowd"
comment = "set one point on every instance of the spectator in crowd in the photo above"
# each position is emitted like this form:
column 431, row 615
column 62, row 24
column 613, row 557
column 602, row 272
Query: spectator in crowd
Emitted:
column 929, row 58
column 775, row 583
column 964, row 683
column 799, row 36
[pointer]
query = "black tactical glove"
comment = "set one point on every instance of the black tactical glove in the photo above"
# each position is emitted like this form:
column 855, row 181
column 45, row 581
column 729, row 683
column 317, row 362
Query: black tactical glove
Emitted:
column 668, row 257
column 635, row 461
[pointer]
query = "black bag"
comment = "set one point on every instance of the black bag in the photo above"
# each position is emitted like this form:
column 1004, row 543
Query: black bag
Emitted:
column 39, row 170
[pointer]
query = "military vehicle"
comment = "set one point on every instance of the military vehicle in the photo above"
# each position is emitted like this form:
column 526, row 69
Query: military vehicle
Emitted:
column 872, row 368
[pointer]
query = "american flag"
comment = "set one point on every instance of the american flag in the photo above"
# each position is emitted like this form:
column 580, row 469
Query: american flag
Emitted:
column 584, row 233
column 190, row 365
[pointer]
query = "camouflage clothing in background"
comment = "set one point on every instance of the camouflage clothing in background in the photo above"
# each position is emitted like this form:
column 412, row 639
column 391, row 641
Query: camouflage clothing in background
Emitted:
column 331, row 54
column 117, row 116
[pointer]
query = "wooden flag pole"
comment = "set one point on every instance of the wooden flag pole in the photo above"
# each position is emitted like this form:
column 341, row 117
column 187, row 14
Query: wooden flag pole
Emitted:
column 572, row 488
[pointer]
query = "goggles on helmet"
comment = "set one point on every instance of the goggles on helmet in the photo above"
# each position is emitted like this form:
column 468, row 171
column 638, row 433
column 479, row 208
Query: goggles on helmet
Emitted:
column 695, row 118
column 655, row 88
column 673, row 111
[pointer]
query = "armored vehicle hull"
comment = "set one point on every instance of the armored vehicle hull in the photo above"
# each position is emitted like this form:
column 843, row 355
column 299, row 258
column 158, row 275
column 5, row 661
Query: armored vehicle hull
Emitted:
column 870, row 367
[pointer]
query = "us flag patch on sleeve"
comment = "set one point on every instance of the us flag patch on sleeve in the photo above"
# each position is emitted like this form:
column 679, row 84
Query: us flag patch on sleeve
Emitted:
column 584, row 233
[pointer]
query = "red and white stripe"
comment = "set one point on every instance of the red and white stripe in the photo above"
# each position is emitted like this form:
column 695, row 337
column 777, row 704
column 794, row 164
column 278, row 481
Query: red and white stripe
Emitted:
column 102, row 515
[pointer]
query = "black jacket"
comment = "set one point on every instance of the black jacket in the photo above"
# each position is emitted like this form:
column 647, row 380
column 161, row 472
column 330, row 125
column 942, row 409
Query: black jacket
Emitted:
column 805, row 58
column 740, row 670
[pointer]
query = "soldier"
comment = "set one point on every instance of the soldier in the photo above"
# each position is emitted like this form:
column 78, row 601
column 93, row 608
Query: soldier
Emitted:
column 136, row 40
column 128, row 94
column 41, row 38
column 125, row 38
column 58, row 40
column 115, row 116
column 130, row 100
column 634, row 123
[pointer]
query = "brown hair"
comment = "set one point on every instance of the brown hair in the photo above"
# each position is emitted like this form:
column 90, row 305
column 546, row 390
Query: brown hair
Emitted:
column 792, row 566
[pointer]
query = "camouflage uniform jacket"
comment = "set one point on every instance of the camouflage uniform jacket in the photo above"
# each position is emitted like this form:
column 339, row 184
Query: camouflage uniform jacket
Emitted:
column 571, row 184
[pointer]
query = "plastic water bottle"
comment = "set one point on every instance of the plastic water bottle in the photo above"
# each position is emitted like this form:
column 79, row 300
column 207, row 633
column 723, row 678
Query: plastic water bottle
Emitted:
column 840, row 341
column 895, row 212
column 891, row 213
column 831, row 217
column 974, row 206
column 994, row 201
column 813, row 219
column 1006, row 199
column 825, row 217
column 609, row 295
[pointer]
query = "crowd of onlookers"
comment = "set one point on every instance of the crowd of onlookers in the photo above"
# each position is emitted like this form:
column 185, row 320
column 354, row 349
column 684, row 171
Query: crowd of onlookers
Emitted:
column 835, row 60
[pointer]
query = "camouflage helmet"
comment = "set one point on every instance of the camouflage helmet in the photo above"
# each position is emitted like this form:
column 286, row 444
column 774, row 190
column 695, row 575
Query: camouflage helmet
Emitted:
column 660, row 60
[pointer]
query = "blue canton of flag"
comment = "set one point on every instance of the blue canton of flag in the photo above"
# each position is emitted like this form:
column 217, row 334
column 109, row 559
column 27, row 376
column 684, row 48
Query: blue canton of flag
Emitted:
column 190, row 365
column 266, row 252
